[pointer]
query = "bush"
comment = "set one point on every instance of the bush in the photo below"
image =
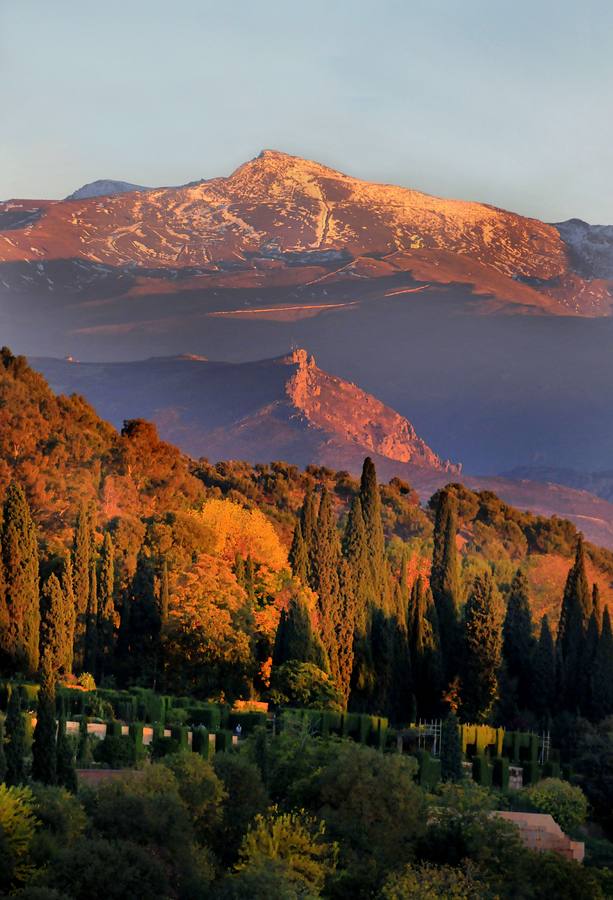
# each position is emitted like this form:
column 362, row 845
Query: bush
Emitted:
column 246, row 796
column 427, row 882
column 116, row 752
column 297, row 842
column 567, row 804
column 17, row 828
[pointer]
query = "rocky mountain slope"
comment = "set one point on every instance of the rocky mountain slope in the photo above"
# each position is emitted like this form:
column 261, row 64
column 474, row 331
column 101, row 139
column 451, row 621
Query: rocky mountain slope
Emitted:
column 289, row 409
column 280, row 221
column 104, row 187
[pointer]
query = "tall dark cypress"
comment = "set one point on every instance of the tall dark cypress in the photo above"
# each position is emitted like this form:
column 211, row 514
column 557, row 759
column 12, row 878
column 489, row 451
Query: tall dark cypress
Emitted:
column 334, row 594
column 108, row 618
column 65, row 766
column 55, row 637
column 445, row 579
column 70, row 612
column 424, row 647
column 602, row 672
column 544, row 672
column 326, row 573
column 20, row 612
column 298, row 555
column 451, row 750
column 81, row 574
column 373, row 523
column 519, row 643
column 164, row 593
column 91, row 621
column 15, row 747
column 308, row 526
column 482, row 652
column 577, row 606
column 295, row 638
column 355, row 551
column 2, row 753
column 44, row 744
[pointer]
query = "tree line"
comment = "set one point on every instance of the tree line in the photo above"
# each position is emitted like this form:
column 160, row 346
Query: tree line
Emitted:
column 387, row 644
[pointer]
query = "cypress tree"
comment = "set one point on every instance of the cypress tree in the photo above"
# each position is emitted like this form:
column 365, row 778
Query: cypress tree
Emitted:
column 308, row 526
column 298, row 555
column 54, row 639
column 602, row 673
column 518, row 639
column 15, row 748
column 91, row 622
column 44, row 745
column 239, row 569
column 164, row 593
column 597, row 606
column 142, row 620
column 544, row 671
column 575, row 614
column 65, row 765
column 445, row 579
column 20, row 615
column 482, row 649
column 375, row 541
column 451, row 750
column 335, row 597
column 295, row 637
column 70, row 614
column 108, row 619
column 84, row 750
column 345, row 629
column 81, row 574
column 2, row 753
column 424, row 648
column 250, row 580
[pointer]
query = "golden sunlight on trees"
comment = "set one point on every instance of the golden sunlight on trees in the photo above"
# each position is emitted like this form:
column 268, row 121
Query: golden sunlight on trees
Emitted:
column 243, row 532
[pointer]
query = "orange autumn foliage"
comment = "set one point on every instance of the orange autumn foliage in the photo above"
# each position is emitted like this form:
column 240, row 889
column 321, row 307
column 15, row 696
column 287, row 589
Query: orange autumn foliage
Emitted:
column 242, row 531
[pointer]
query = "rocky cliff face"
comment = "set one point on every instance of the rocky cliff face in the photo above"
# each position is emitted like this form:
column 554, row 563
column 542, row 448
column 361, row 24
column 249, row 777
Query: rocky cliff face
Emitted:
column 339, row 408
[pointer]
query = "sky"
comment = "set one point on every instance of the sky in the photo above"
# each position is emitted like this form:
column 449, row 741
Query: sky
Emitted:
column 508, row 103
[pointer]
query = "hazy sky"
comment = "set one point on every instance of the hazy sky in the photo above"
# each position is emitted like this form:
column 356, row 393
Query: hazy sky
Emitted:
column 505, row 102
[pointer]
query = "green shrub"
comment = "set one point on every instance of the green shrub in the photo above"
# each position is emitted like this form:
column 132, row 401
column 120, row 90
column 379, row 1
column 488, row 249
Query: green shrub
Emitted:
column 429, row 771
column 117, row 752
column 567, row 804
column 162, row 746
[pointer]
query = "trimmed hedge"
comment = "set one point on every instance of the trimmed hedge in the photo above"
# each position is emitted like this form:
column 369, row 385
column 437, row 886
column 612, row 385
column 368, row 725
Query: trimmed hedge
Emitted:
column 179, row 733
column 500, row 775
column 249, row 720
column 200, row 741
column 223, row 741
column 482, row 771
column 532, row 772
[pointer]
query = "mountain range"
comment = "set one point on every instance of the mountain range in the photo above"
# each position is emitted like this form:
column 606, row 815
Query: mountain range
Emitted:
column 491, row 332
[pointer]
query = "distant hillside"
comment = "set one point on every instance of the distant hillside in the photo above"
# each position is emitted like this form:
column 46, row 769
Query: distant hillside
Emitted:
column 288, row 408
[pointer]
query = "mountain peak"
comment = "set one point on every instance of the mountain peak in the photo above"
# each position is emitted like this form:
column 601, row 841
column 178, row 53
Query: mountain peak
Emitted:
column 104, row 187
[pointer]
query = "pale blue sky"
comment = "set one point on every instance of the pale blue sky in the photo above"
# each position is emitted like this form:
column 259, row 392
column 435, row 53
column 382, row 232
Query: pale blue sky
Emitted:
column 505, row 102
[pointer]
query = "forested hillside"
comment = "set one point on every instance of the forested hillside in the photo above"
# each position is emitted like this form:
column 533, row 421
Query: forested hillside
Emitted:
column 126, row 560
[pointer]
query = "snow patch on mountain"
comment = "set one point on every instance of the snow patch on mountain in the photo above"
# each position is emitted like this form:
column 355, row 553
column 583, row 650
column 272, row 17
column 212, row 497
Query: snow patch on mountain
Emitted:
column 104, row 187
